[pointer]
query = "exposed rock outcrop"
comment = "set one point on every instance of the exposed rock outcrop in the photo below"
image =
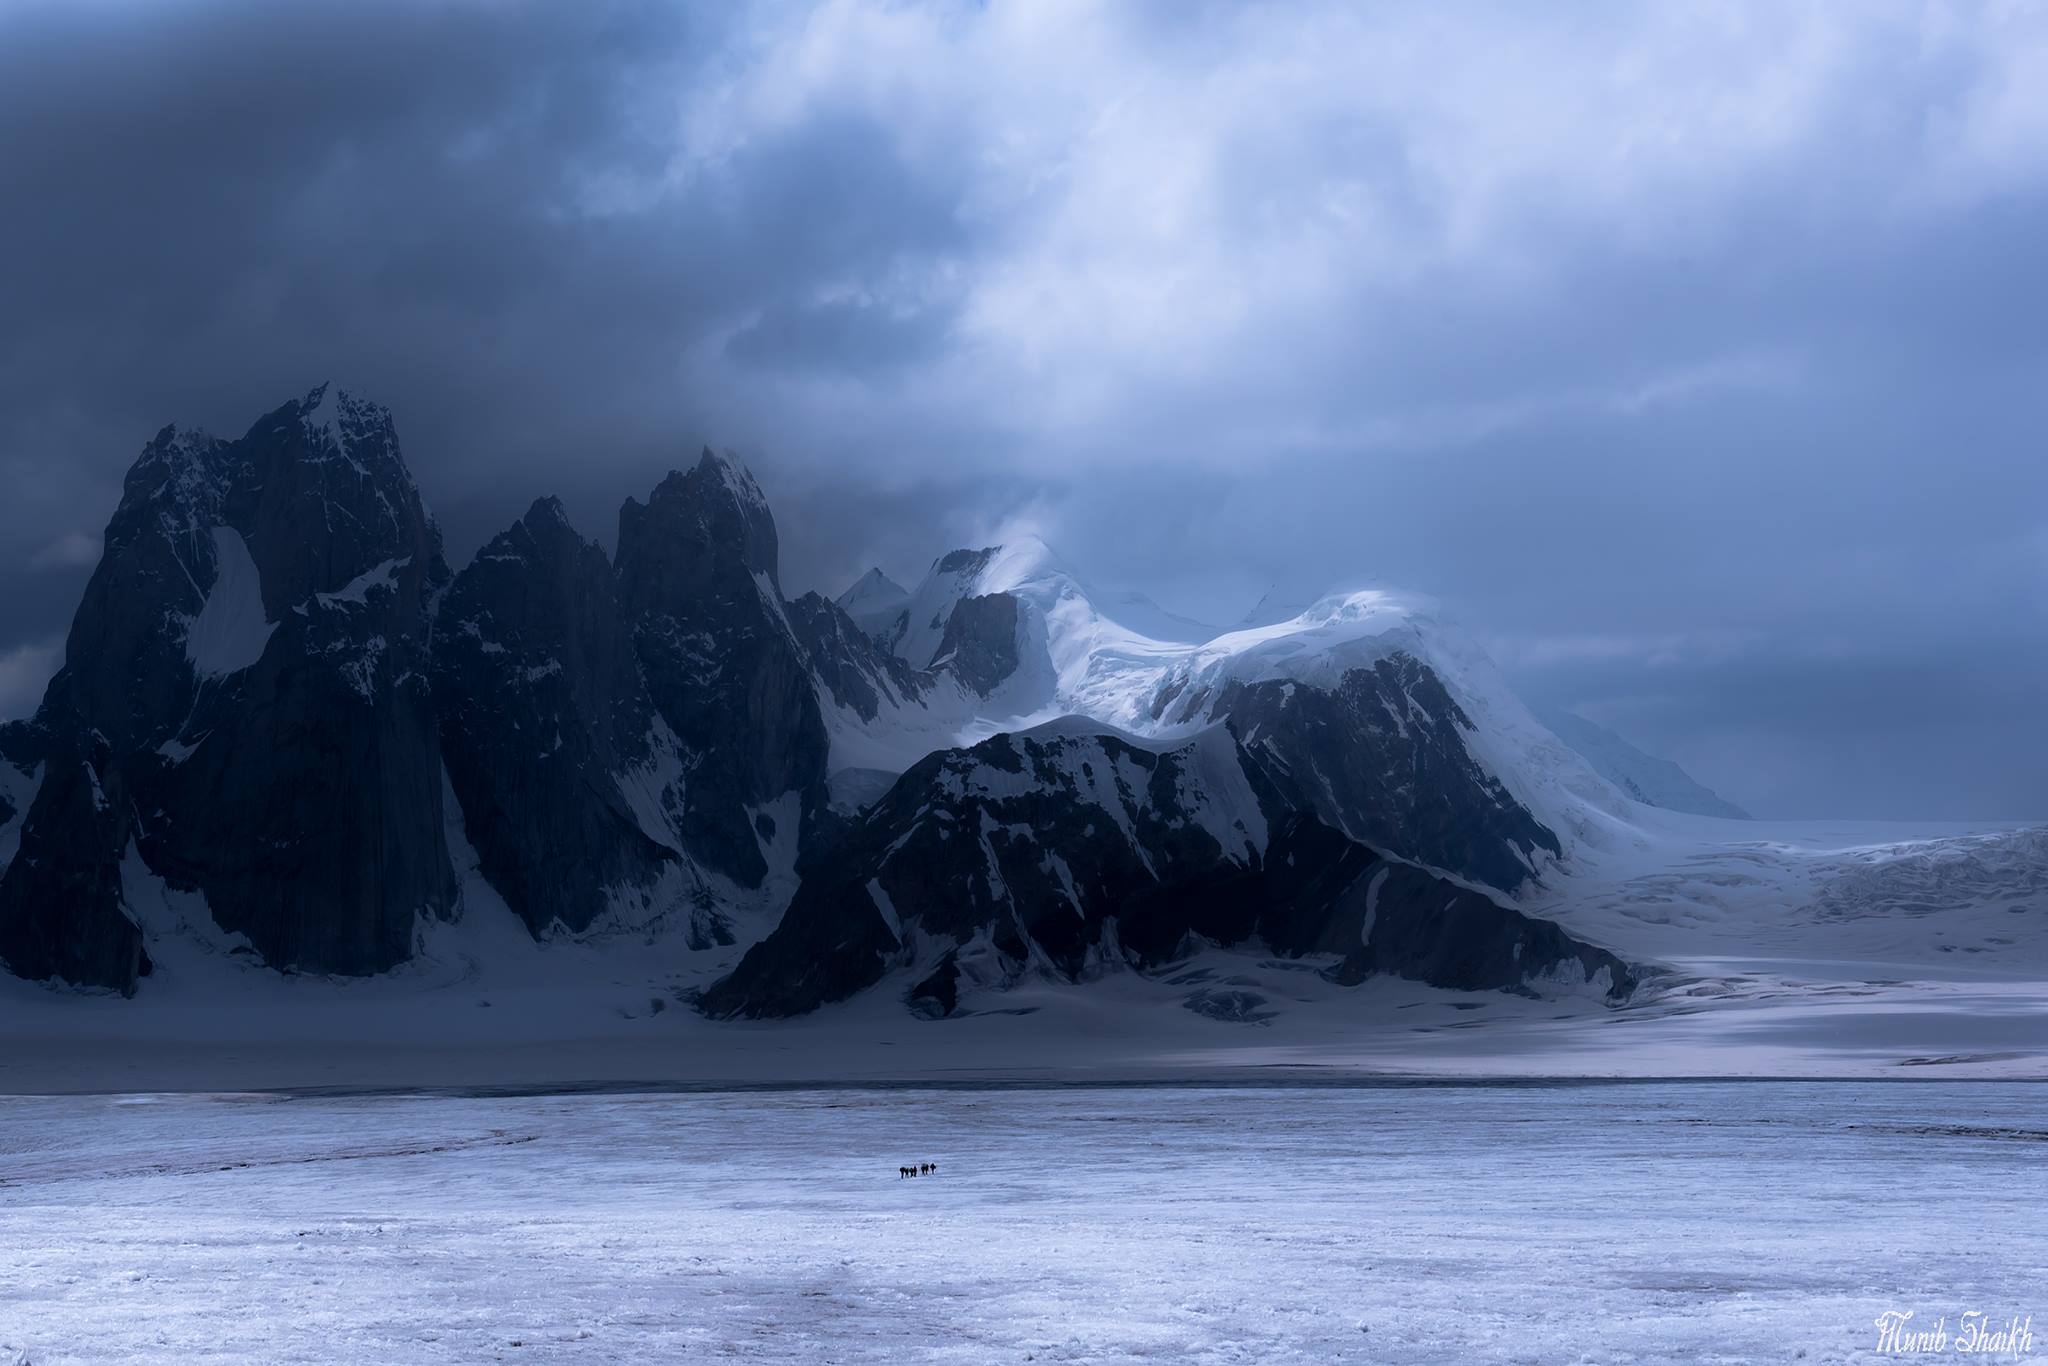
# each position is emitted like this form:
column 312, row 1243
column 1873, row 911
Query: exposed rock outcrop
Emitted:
column 1383, row 756
column 1068, row 851
column 62, row 915
column 698, row 578
column 252, row 654
column 570, row 784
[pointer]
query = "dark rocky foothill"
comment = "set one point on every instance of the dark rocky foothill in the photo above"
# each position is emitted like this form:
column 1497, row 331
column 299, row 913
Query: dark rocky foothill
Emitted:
column 1076, row 852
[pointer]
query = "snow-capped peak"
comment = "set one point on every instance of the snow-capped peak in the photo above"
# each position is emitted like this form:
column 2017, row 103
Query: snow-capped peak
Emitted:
column 1027, row 566
column 177, row 471
column 873, row 591
column 1119, row 660
column 321, row 413
column 1327, row 634
column 737, row 478
column 1033, row 572
column 1119, row 675
column 874, row 602
column 339, row 423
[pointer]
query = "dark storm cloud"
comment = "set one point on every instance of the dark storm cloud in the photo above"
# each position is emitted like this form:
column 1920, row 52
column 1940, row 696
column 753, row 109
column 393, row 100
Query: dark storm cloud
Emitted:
column 1695, row 359
column 461, row 209
column 849, row 338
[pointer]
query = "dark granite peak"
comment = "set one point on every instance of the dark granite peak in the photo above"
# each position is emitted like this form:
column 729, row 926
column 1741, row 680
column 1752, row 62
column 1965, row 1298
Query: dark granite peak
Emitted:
column 251, row 653
column 698, row 581
column 547, row 509
column 553, row 750
column 696, row 532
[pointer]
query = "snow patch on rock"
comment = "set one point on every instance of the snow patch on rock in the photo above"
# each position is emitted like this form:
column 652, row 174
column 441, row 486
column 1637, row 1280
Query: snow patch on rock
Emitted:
column 653, row 788
column 356, row 592
column 886, row 908
column 231, row 630
column 18, row 787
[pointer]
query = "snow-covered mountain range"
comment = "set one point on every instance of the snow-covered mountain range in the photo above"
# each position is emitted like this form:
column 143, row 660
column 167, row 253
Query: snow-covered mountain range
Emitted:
column 286, row 731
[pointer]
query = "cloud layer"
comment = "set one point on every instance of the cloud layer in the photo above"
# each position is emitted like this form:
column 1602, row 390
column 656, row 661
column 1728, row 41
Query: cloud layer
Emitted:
column 1695, row 358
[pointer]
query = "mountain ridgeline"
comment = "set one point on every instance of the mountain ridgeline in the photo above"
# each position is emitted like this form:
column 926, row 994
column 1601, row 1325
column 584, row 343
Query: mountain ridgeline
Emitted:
column 279, row 705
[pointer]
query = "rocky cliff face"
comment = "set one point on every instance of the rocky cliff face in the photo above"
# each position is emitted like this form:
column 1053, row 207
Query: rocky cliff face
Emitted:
column 853, row 671
column 251, row 655
column 570, row 783
column 1318, row 892
column 698, row 578
column 1066, row 851
column 1382, row 756
column 980, row 644
column 62, row 915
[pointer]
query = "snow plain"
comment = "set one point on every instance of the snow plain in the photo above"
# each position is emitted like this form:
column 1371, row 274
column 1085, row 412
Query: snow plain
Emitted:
column 1528, row 1223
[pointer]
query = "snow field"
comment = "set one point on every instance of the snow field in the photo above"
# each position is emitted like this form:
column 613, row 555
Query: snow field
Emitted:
column 1655, row 1222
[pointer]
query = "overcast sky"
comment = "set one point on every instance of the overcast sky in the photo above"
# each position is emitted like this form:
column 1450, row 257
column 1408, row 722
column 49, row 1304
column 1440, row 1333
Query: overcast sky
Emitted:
column 1695, row 356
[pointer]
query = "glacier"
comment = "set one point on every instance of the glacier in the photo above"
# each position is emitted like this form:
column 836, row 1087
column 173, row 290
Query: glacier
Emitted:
column 1651, row 1223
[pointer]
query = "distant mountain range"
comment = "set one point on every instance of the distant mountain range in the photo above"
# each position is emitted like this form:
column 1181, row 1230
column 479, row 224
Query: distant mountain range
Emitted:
column 281, row 710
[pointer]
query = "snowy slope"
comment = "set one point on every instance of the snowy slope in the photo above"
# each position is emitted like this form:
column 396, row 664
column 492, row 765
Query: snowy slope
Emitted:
column 1080, row 651
column 1120, row 660
column 874, row 602
column 1807, row 898
column 230, row 632
column 1645, row 777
